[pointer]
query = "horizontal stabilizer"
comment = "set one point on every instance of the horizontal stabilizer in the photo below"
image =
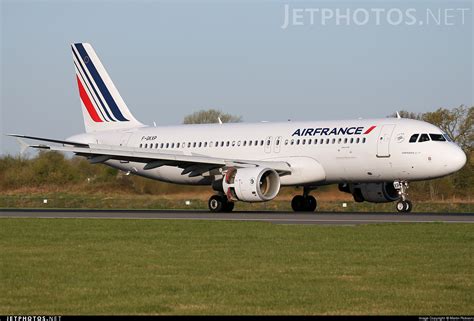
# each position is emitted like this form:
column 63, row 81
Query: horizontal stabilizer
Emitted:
column 64, row 142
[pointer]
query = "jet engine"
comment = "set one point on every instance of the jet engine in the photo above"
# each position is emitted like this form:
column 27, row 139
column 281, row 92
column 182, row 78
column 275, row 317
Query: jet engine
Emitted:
column 251, row 184
column 371, row 192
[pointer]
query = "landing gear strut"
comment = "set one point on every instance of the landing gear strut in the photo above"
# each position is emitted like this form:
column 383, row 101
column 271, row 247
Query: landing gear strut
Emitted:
column 219, row 203
column 305, row 202
column 404, row 205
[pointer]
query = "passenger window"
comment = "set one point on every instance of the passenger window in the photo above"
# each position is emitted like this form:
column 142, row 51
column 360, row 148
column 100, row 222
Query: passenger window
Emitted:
column 277, row 142
column 292, row 141
column 250, row 143
column 333, row 140
column 437, row 138
column 244, row 144
column 261, row 142
column 345, row 140
column 413, row 138
column 172, row 145
column 363, row 140
column 228, row 143
column 352, row 140
column 286, row 141
column 339, row 140
column 194, row 144
column 189, row 145
column 309, row 141
column 140, row 145
column 315, row 141
column 303, row 142
column 424, row 138
column 321, row 141
column 357, row 140
column 297, row 142
column 205, row 144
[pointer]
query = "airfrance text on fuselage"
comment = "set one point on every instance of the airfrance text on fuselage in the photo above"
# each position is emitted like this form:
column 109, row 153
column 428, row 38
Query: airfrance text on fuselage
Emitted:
column 328, row 131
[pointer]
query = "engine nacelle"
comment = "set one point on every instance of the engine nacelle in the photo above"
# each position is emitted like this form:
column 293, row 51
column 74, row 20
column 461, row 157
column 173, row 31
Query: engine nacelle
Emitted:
column 251, row 184
column 371, row 192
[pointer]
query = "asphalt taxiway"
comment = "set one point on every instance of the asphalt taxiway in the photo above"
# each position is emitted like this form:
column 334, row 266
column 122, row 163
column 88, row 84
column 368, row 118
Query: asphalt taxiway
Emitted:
column 272, row 217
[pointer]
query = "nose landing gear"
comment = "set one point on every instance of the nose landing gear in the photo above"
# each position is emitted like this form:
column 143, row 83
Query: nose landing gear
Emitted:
column 404, row 205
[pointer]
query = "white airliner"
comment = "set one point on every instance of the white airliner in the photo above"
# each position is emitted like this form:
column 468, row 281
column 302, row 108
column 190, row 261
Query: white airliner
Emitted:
column 373, row 159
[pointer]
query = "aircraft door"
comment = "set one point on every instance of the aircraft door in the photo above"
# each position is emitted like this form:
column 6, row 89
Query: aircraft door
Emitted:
column 276, row 146
column 268, row 144
column 383, row 141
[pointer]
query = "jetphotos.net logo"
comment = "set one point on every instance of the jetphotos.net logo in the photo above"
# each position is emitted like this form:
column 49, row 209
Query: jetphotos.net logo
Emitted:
column 297, row 16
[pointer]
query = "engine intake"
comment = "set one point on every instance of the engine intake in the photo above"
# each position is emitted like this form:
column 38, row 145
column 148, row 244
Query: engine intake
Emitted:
column 371, row 192
column 251, row 184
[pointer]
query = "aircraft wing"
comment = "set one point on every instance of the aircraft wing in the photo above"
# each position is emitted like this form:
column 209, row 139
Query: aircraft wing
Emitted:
column 192, row 163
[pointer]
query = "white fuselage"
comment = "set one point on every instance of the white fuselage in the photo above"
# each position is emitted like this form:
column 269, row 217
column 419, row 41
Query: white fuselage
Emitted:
column 319, row 152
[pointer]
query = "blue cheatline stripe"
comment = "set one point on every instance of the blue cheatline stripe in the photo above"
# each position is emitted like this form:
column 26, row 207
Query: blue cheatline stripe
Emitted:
column 100, row 83
column 92, row 85
column 90, row 93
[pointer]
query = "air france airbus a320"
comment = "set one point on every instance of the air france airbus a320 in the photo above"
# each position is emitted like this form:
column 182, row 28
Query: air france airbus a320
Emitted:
column 373, row 159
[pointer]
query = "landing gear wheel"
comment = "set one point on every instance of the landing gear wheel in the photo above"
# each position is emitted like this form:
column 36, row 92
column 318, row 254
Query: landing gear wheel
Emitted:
column 297, row 203
column 311, row 203
column 216, row 203
column 228, row 206
column 219, row 203
column 404, row 206
column 303, row 204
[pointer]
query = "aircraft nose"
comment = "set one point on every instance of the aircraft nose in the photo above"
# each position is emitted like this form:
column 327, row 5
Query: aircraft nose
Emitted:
column 456, row 159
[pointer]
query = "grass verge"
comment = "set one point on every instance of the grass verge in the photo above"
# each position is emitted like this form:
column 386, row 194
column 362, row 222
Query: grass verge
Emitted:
column 94, row 266
column 67, row 200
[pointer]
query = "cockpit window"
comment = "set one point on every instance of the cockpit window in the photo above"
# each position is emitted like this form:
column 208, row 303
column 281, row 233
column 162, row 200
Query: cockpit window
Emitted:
column 437, row 138
column 424, row 138
column 413, row 138
column 447, row 137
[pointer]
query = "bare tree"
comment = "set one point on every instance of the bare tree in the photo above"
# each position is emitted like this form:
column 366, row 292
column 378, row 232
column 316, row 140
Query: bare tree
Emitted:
column 458, row 123
column 210, row 116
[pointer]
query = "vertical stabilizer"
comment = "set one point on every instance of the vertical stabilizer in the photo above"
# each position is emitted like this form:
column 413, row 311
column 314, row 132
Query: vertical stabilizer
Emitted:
column 102, row 106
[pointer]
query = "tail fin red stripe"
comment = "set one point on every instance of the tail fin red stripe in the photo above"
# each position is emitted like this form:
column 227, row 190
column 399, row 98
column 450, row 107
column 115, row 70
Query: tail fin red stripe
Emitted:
column 87, row 102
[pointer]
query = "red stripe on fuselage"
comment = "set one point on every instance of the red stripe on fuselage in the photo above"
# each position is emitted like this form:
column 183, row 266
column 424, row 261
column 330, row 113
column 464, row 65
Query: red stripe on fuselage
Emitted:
column 87, row 102
column 369, row 130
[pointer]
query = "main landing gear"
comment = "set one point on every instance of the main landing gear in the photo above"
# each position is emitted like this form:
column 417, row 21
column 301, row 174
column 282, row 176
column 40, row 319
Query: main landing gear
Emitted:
column 219, row 203
column 305, row 202
column 404, row 205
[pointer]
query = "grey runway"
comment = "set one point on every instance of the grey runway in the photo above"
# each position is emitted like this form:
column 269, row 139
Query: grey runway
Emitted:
column 272, row 217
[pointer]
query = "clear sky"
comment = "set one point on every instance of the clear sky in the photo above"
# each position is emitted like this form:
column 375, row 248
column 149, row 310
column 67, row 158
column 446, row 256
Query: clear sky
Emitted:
column 171, row 58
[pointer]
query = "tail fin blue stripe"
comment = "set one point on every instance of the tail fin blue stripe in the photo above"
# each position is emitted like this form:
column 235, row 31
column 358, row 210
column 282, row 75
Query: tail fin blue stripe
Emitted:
column 100, row 83
column 86, row 85
column 93, row 88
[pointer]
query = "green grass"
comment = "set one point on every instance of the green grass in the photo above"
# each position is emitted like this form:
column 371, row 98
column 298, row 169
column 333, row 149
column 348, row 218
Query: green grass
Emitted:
column 67, row 200
column 94, row 266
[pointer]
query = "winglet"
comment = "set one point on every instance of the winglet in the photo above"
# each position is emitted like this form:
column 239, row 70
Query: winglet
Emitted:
column 398, row 115
column 23, row 145
column 219, row 119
